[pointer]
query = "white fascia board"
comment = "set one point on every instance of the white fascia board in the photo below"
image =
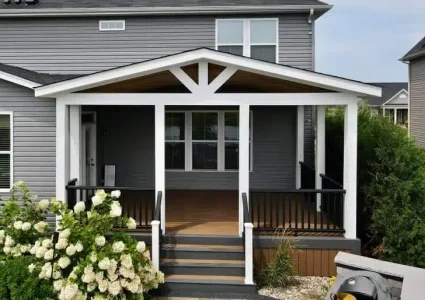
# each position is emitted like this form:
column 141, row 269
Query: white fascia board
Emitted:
column 140, row 11
column 396, row 95
column 18, row 80
column 186, row 58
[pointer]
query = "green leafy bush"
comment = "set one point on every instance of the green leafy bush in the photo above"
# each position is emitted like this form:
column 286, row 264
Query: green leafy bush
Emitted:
column 391, row 186
column 279, row 271
column 18, row 284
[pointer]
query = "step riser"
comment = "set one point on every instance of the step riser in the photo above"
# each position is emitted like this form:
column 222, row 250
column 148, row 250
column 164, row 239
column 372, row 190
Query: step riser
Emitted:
column 199, row 290
column 212, row 271
column 202, row 240
column 207, row 255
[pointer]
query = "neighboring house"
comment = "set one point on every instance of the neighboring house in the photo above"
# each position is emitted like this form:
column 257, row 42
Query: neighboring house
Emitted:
column 394, row 103
column 199, row 112
column 416, row 60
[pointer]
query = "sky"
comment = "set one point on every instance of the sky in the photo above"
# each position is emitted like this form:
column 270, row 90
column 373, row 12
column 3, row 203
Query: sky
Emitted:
column 364, row 39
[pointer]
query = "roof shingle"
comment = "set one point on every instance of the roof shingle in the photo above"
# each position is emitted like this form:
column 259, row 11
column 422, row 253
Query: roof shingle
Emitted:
column 417, row 51
column 389, row 90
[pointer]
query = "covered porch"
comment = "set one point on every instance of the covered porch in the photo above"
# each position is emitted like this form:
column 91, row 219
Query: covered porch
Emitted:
column 243, row 202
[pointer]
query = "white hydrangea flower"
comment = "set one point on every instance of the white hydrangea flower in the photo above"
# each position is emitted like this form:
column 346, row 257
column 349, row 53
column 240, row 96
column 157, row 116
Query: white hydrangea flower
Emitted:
column 41, row 226
column 44, row 204
column 147, row 254
column 47, row 243
column 10, row 242
column 64, row 262
column 104, row 264
column 79, row 207
column 46, row 270
column 26, row 226
column 114, row 288
column 116, row 194
column 70, row 250
column 31, row 268
column 25, row 248
column 113, row 264
column 7, row 250
column 118, row 247
column 79, row 246
column 41, row 251
column 99, row 277
column 100, row 241
column 93, row 257
column 116, row 209
column 18, row 225
column 131, row 224
column 89, row 215
column 96, row 200
column 88, row 278
column 91, row 287
column 35, row 248
column 141, row 247
column 57, row 275
column 58, row 284
column 65, row 234
column 103, row 286
column 101, row 193
column 126, row 261
column 49, row 255
column 73, row 274
column 2, row 235
column 62, row 244
column 68, row 292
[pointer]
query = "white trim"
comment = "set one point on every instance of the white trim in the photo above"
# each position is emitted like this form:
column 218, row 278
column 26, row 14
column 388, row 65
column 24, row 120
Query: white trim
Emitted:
column 18, row 80
column 249, row 256
column 62, row 151
column 221, row 79
column 213, row 100
column 246, row 44
column 300, row 144
column 185, row 79
column 111, row 29
column 350, row 170
column 396, row 95
column 142, row 11
column 160, row 158
column 244, row 134
column 75, row 139
column 10, row 152
column 320, row 151
column 190, row 57
column 203, row 74
column 156, row 245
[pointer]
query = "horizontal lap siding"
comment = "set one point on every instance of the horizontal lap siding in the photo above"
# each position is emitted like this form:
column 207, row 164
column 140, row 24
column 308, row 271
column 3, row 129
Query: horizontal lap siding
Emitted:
column 417, row 100
column 34, row 141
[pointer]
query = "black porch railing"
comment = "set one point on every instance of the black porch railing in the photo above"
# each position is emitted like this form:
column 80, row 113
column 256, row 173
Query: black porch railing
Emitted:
column 157, row 212
column 136, row 203
column 296, row 210
column 308, row 176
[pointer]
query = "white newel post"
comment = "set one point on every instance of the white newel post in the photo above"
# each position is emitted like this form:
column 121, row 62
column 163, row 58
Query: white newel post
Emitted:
column 320, row 150
column 300, row 144
column 160, row 158
column 62, row 150
column 243, row 160
column 249, row 256
column 74, row 142
column 350, row 170
column 155, row 243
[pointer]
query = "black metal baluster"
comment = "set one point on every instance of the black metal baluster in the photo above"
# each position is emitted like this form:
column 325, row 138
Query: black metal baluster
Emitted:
column 329, row 216
column 258, row 210
column 302, row 209
column 271, row 209
column 289, row 209
column 296, row 214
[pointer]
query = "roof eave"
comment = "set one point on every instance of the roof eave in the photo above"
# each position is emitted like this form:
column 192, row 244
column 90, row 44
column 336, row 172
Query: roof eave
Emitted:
column 18, row 80
column 140, row 11
column 410, row 57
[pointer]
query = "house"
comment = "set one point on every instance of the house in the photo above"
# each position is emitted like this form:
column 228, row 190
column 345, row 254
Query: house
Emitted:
column 201, row 113
column 394, row 103
column 415, row 58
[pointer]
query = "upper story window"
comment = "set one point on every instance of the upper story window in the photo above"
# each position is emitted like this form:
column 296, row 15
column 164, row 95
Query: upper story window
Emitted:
column 5, row 151
column 256, row 38
column 111, row 25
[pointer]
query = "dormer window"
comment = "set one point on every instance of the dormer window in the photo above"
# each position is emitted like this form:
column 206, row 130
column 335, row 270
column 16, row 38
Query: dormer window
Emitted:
column 256, row 38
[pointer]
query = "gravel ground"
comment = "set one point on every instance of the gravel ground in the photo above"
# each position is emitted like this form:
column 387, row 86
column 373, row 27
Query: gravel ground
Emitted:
column 309, row 288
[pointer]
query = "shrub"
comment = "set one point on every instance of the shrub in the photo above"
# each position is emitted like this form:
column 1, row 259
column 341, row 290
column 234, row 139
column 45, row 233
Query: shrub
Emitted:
column 391, row 186
column 279, row 271
column 19, row 284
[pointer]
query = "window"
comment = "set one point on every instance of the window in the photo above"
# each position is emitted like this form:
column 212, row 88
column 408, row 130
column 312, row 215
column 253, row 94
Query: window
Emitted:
column 5, row 151
column 111, row 25
column 202, row 141
column 256, row 38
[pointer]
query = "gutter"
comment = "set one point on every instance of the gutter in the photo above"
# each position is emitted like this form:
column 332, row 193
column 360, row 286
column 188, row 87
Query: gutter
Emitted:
column 142, row 11
column 408, row 58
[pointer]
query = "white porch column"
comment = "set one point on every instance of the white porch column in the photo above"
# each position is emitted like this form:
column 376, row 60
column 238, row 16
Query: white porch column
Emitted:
column 300, row 144
column 350, row 170
column 243, row 160
column 320, row 149
column 395, row 116
column 155, row 244
column 74, row 146
column 249, row 254
column 160, row 158
column 62, row 150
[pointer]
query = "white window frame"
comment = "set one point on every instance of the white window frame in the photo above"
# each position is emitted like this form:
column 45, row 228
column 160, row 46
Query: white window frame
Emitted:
column 246, row 45
column 111, row 29
column 221, row 142
column 10, row 152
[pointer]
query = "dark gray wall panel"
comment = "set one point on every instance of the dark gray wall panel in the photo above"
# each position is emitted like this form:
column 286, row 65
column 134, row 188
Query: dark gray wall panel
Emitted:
column 126, row 139
column 417, row 100
column 34, row 137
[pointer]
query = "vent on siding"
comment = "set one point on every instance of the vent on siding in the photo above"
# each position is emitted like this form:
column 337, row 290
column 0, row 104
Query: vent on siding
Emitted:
column 111, row 25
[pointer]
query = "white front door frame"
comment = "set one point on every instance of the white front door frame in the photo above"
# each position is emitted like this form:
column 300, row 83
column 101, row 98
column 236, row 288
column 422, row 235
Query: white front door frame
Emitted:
column 90, row 161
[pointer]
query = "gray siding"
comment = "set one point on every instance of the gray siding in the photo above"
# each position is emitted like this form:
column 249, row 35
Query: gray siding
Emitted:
column 75, row 45
column 34, row 141
column 132, row 151
column 417, row 100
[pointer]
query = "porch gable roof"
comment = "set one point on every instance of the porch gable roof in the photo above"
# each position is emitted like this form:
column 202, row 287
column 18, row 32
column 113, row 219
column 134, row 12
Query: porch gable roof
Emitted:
column 161, row 64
